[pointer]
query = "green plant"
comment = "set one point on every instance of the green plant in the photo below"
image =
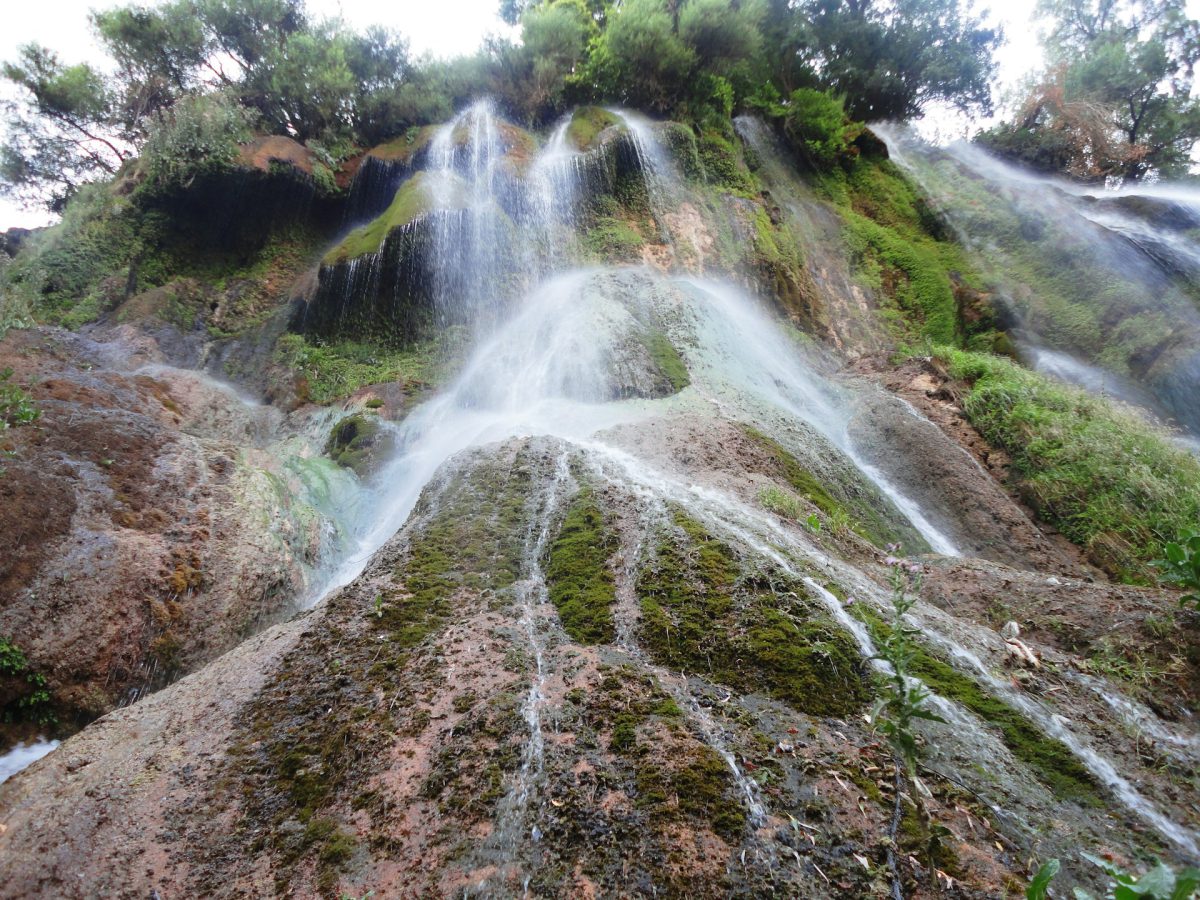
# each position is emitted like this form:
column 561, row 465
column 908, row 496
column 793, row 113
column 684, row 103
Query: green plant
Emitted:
column 1041, row 881
column 1181, row 565
column 901, row 703
column 902, row 700
column 16, row 406
column 34, row 705
column 1160, row 883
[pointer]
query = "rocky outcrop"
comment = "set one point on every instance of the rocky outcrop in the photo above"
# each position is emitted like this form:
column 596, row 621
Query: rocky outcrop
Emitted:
column 145, row 524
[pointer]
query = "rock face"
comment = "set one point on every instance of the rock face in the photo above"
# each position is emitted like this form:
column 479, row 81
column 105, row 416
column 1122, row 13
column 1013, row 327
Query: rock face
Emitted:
column 608, row 608
column 145, row 527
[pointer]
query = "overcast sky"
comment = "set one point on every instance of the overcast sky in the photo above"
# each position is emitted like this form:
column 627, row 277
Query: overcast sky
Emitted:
column 440, row 27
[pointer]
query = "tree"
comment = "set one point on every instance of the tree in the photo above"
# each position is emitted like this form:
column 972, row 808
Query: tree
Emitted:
column 639, row 59
column 1116, row 100
column 65, row 137
column 889, row 59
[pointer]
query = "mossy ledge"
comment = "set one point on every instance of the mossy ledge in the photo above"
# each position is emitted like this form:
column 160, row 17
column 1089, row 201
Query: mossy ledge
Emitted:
column 862, row 518
column 749, row 631
column 578, row 577
column 587, row 124
column 413, row 199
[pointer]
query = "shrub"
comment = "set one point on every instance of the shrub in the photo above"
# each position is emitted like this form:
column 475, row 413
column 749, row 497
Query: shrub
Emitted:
column 1182, row 565
column 198, row 134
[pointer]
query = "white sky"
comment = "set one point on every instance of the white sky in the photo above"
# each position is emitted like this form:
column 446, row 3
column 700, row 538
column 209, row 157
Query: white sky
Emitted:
column 439, row 27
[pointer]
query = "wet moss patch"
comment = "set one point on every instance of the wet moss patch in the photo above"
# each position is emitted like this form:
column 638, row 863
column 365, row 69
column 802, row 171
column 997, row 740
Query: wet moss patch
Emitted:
column 357, row 442
column 587, row 123
column 578, row 576
column 667, row 361
column 752, row 632
column 861, row 517
column 310, row 743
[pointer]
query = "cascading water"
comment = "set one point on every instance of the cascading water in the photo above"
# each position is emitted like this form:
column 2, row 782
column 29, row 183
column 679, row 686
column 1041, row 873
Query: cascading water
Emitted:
column 657, row 168
column 22, row 756
column 1089, row 281
column 576, row 355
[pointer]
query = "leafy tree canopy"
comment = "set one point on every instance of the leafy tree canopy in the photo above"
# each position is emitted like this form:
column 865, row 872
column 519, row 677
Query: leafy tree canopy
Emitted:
column 1116, row 100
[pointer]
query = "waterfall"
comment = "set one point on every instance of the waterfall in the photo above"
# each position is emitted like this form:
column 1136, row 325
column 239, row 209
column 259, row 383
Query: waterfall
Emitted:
column 558, row 351
column 657, row 169
column 1091, row 281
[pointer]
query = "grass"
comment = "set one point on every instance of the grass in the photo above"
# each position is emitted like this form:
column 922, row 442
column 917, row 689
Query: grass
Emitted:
column 898, row 248
column 1101, row 474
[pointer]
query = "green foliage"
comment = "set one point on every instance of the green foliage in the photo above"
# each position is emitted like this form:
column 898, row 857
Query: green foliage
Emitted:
column 65, row 135
column 578, row 577
column 1117, row 99
column 32, row 700
column 902, row 699
column 16, row 406
column 1106, row 478
column 894, row 242
column 639, row 58
column 889, row 59
column 816, row 125
column 1181, row 565
column 331, row 371
column 1159, row 883
column 199, row 134
column 613, row 239
column 1039, row 886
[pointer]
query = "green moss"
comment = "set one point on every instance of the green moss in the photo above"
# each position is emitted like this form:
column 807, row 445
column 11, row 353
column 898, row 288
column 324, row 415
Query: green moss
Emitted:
column 578, row 576
column 680, row 140
column 587, row 123
column 699, row 614
column 613, row 239
column 1103, row 476
column 402, row 149
column 899, row 248
column 723, row 166
column 667, row 360
column 328, row 372
column 860, row 517
column 473, row 542
column 702, row 789
column 1051, row 761
column 355, row 442
column 413, row 199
